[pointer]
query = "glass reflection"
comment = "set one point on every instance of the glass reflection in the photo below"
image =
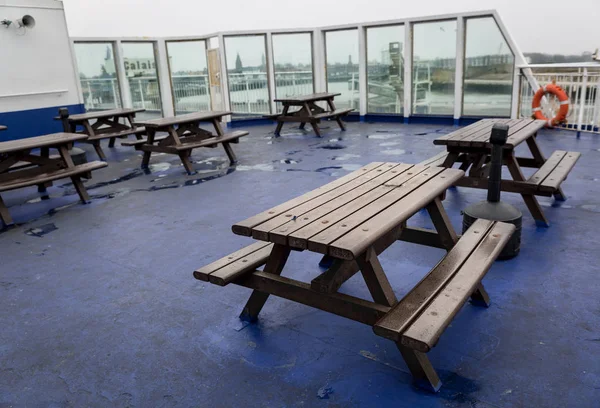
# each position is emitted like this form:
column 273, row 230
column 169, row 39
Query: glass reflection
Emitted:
column 434, row 66
column 488, row 70
column 98, row 76
column 385, row 69
column 189, row 76
column 247, row 75
column 140, row 68
column 341, row 49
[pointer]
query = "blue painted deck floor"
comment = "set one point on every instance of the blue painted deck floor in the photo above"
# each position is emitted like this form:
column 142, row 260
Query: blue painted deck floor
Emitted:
column 98, row 306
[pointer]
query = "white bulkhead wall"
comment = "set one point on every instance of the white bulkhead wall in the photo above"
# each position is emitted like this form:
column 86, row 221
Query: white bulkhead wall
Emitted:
column 36, row 65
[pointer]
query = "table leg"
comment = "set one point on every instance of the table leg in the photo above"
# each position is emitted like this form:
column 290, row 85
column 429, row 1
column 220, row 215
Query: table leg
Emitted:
column 44, row 152
column 375, row 278
column 284, row 112
column 480, row 297
column 4, row 214
column 450, row 160
column 442, row 224
column 421, row 369
column 530, row 200
column 83, row 195
column 275, row 264
column 185, row 159
column 99, row 150
column 339, row 121
column 316, row 128
column 230, row 153
column 150, row 142
column 302, row 125
column 111, row 141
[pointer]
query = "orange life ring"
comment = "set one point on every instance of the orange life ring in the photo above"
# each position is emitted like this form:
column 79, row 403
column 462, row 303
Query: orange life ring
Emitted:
column 564, row 104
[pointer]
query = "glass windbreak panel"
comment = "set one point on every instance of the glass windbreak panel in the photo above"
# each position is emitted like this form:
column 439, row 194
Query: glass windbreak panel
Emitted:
column 247, row 75
column 385, row 69
column 292, row 56
column 488, row 70
column 434, row 66
column 98, row 76
column 189, row 76
column 342, row 67
column 142, row 76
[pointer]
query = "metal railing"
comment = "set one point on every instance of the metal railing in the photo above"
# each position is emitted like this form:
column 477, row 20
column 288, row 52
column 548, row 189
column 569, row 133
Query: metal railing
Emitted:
column 100, row 93
column 191, row 93
column 249, row 93
column 581, row 83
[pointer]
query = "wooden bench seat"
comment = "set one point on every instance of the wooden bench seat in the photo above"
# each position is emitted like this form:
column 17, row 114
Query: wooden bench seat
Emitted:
column 556, row 169
column 333, row 114
column 436, row 160
column 418, row 320
column 230, row 267
column 110, row 135
column 140, row 142
column 24, row 164
column 32, row 177
column 212, row 141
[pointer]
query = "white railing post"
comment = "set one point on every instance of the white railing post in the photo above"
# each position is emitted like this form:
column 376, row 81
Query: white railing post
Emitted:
column 271, row 85
column 460, row 67
column 122, row 75
column 319, row 62
column 582, row 99
column 115, row 94
column 362, row 72
column 224, row 78
column 515, row 108
column 408, row 68
column 163, row 76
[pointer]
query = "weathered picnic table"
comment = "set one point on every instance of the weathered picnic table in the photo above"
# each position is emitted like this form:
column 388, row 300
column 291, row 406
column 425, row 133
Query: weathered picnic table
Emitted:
column 309, row 111
column 185, row 134
column 107, row 125
column 471, row 147
column 351, row 221
column 21, row 167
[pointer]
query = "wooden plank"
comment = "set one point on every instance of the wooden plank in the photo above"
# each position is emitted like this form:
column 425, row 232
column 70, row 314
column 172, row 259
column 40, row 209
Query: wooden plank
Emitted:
column 203, row 272
column 245, row 227
column 241, row 266
column 560, row 172
column 228, row 137
column 467, row 129
column 120, row 133
column 332, row 114
column 51, row 140
column 33, row 179
column 103, row 114
column 342, row 305
column 432, row 161
column 529, row 131
column 442, row 223
column 322, row 96
column 182, row 119
column 392, row 325
column 300, row 238
column 281, row 227
column 539, row 176
column 421, row 236
column 375, row 278
column 382, row 217
column 514, row 125
column 482, row 133
column 509, row 186
column 423, row 334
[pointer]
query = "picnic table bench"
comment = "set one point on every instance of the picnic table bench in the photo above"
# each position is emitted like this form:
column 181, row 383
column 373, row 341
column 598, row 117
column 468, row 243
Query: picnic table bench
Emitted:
column 470, row 146
column 351, row 221
column 20, row 167
column 309, row 111
column 2, row 127
column 106, row 126
column 185, row 134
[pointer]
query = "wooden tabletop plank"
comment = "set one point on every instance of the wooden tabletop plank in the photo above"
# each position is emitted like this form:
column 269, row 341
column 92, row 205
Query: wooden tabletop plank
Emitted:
column 308, row 98
column 280, row 234
column 485, row 132
column 261, row 231
column 52, row 140
column 103, row 114
column 180, row 119
column 245, row 227
column 460, row 132
column 514, row 125
column 382, row 217
column 525, row 133
column 300, row 238
column 320, row 242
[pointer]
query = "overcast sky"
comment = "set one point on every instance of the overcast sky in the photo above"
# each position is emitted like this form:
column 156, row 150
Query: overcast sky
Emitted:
column 570, row 27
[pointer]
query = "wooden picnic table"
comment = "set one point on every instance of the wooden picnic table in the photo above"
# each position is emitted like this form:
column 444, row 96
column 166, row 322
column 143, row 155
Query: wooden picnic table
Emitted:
column 106, row 125
column 21, row 167
column 351, row 221
column 185, row 134
column 471, row 147
column 309, row 111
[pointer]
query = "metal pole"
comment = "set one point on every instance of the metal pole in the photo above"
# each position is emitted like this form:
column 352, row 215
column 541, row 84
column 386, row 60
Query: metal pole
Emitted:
column 497, row 139
column 582, row 98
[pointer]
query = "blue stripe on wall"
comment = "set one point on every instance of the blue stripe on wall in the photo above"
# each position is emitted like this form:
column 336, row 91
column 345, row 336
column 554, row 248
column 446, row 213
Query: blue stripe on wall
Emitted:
column 33, row 122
